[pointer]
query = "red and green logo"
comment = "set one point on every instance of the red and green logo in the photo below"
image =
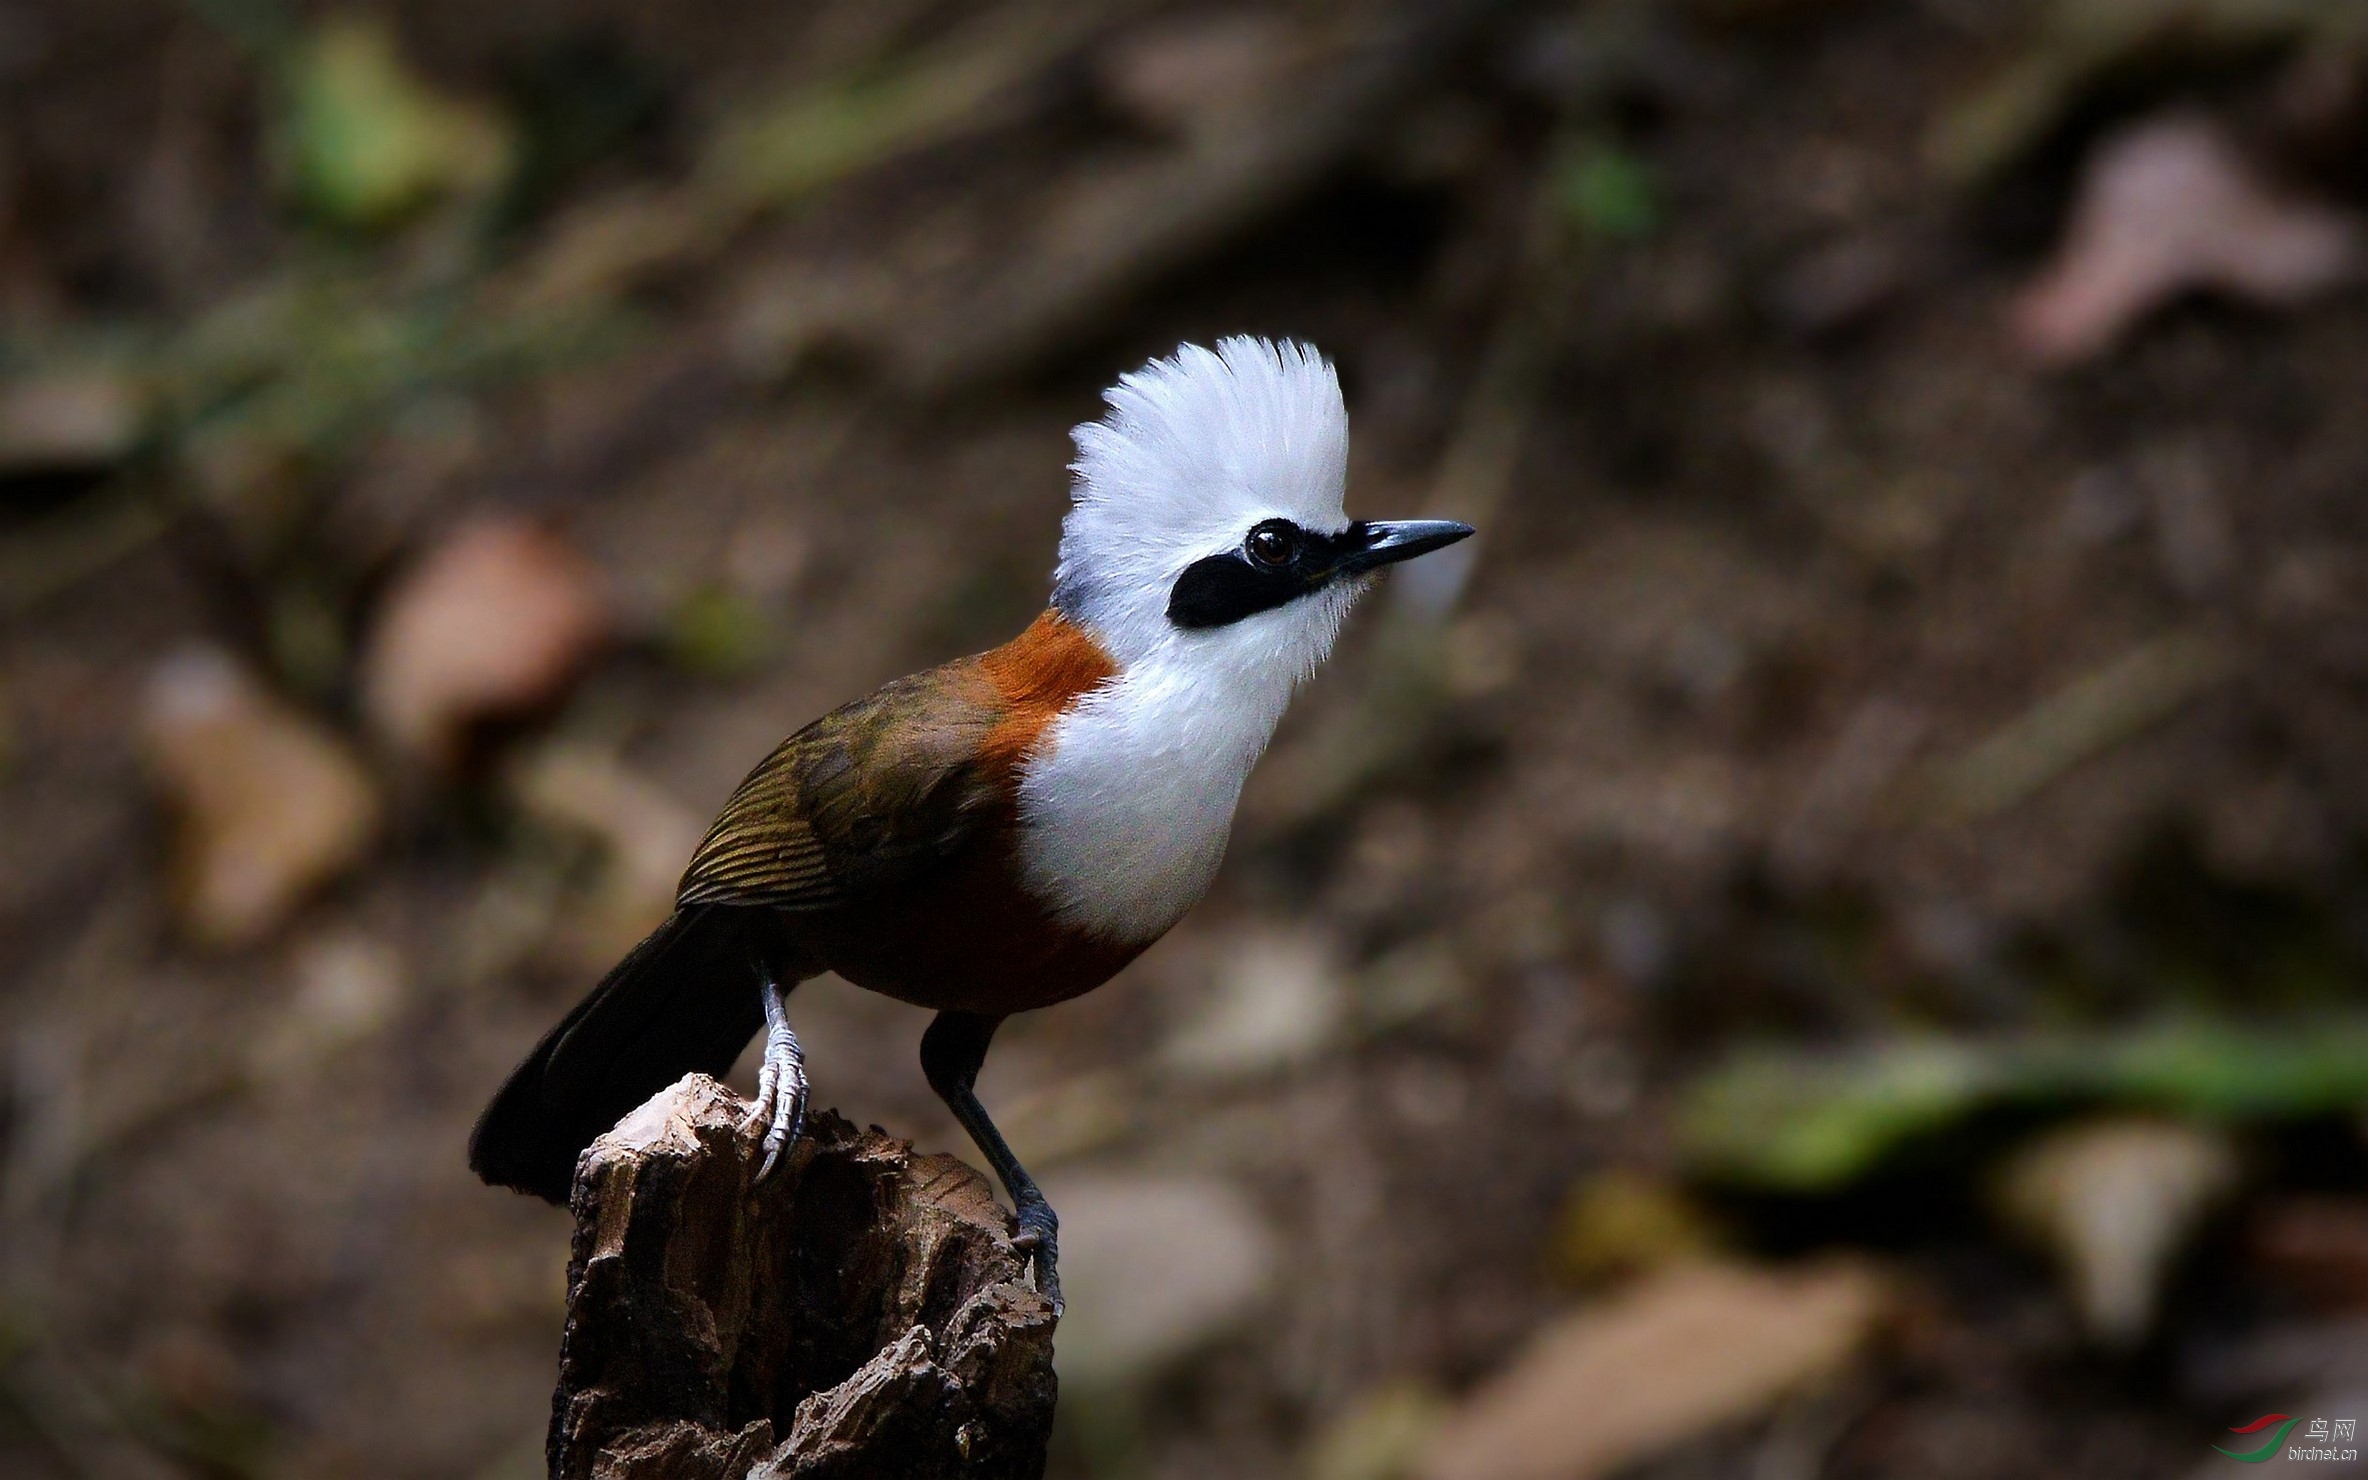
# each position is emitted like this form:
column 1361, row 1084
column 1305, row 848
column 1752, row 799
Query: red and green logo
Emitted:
column 2269, row 1446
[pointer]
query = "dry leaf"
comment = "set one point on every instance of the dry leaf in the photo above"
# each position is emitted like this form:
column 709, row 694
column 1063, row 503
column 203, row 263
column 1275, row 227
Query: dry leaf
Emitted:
column 491, row 624
column 1688, row 1350
column 2115, row 1201
column 2166, row 207
column 271, row 805
column 66, row 423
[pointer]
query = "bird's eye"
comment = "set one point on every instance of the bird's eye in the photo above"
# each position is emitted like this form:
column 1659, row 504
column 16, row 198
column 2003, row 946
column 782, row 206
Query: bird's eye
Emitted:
column 1273, row 543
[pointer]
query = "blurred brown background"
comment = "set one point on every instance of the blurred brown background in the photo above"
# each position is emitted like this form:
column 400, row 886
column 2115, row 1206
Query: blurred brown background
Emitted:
column 1832, row 947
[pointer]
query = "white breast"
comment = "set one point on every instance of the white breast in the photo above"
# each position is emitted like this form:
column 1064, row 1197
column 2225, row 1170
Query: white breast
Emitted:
column 1126, row 808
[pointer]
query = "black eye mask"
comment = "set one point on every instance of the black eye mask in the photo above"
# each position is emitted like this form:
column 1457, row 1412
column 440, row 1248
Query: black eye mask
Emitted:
column 1279, row 561
column 1222, row 589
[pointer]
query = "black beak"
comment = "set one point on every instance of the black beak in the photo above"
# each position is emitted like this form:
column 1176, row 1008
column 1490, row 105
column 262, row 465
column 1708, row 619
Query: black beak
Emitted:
column 1379, row 542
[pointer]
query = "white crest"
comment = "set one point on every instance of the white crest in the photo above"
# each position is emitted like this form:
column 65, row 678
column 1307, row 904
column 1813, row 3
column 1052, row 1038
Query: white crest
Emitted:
column 1194, row 450
column 1129, row 801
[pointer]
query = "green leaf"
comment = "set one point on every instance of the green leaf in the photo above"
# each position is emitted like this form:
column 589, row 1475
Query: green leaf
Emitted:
column 1803, row 1121
column 365, row 143
column 1807, row 1122
column 1606, row 191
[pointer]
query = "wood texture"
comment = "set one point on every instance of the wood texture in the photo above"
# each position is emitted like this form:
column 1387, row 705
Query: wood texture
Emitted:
column 859, row 1314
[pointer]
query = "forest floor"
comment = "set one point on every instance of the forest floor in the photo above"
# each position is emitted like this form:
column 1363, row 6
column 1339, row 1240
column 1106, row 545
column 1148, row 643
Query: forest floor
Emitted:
column 1889, row 627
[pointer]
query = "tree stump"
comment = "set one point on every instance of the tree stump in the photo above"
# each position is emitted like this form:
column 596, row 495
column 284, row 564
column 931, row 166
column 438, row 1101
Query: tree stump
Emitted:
column 859, row 1313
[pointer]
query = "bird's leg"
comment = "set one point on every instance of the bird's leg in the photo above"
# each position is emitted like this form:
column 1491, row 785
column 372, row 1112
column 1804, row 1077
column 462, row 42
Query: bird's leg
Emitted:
column 781, row 1082
column 951, row 1052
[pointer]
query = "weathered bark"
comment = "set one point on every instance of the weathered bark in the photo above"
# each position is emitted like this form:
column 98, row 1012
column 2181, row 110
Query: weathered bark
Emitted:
column 859, row 1313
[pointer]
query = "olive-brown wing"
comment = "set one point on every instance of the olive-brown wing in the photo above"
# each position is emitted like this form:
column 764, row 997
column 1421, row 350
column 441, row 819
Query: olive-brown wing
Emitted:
column 866, row 797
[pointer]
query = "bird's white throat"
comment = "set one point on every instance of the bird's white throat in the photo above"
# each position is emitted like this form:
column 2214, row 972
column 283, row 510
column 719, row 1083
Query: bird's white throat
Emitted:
column 1126, row 806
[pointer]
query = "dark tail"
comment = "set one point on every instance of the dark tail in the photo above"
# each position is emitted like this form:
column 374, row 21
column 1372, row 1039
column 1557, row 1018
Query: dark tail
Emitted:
column 685, row 999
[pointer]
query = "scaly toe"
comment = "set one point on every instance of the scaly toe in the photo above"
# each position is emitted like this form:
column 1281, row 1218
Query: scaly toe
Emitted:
column 788, row 1120
column 760, row 1109
column 760, row 1113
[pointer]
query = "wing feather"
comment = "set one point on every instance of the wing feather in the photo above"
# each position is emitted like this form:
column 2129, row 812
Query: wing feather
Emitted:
column 866, row 797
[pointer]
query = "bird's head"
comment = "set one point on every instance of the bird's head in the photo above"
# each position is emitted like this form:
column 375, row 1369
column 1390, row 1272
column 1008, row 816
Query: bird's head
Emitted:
column 1208, row 528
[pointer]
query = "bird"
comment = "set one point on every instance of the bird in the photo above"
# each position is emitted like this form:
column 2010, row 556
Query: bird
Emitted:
column 1006, row 831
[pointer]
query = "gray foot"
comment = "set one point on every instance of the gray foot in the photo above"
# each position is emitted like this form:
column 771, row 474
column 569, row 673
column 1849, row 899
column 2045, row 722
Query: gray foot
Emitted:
column 780, row 1084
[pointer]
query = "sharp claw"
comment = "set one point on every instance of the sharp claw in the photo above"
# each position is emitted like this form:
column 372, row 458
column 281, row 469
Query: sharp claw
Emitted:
column 780, row 1105
column 784, row 1114
column 1048, row 1283
column 1040, row 1245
